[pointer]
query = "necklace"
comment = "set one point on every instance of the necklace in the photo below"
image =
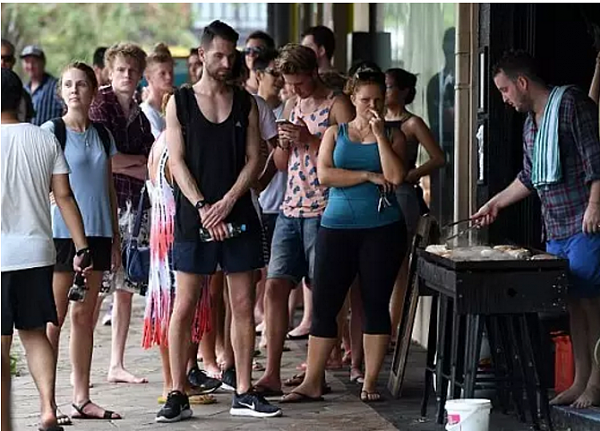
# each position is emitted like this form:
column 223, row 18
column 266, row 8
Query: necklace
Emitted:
column 360, row 133
column 86, row 135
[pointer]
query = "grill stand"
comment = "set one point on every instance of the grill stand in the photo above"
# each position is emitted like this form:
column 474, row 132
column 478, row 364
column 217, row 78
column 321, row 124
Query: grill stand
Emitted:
column 515, row 340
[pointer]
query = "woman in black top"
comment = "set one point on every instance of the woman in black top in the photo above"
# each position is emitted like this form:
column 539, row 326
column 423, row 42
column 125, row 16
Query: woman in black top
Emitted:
column 401, row 91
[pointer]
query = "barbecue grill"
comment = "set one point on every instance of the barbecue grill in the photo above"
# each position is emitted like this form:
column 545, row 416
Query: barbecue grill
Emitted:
column 504, row 296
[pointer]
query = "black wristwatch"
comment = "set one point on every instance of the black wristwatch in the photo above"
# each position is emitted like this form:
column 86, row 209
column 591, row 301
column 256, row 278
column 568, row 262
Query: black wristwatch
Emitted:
column 82, row 251
column 200, row 204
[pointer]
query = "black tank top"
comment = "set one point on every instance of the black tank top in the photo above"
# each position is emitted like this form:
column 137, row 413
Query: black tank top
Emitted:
column 412, row 147
column 215, row 154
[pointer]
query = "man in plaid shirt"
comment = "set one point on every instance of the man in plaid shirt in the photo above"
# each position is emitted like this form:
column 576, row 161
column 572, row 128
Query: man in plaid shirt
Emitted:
column 570, row 205
column 115, row 108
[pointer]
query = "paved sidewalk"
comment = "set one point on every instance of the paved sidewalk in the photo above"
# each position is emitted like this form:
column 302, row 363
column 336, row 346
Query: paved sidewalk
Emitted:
column 138, row 403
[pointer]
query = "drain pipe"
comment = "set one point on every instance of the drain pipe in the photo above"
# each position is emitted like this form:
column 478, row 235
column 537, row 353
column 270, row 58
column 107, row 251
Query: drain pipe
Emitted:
column 464, row 115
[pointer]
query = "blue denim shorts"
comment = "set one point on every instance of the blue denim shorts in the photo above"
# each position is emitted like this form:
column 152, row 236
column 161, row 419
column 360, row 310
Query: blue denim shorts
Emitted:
column 583, row 253
column 293, row 248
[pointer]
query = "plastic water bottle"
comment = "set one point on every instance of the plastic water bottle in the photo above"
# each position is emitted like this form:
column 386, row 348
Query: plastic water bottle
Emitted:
column 233, row 230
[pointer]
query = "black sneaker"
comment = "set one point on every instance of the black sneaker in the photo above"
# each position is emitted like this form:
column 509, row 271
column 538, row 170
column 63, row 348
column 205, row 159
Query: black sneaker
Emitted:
column 177, row 408
column 201, row 383
column 253, row 405
column 229, row 380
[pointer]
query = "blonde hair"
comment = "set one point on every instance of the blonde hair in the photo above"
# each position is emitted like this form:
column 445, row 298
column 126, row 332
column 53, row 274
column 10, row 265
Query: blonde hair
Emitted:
column 160, row 54
column 295, row 59
column 126, row 50
column 165, row 100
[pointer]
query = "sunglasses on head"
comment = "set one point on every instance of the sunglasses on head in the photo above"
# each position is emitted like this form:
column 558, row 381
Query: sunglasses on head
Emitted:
column 369, row 75
column 273, row 72
column 253, row 50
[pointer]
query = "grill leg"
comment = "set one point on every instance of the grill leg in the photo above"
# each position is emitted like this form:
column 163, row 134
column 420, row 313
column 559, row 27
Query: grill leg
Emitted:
column 508, row 343
column 528, row 367
column 498, row 362
column 532, row 326
column 445, row 342
column 431, row 350
column 474, row 336
column 521, row 366
column 457, row 375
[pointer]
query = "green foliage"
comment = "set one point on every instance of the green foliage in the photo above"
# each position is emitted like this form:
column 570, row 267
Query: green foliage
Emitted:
column 69, row 31
column 13, row 365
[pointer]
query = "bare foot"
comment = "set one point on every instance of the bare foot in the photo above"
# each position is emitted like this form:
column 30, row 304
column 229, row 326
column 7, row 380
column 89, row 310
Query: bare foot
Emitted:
column 123, row 376
column 347, row 358
column 568, row 397
column 257, row 366
column 212, row 370
column 259, row 318
column 357, row 376
column 589, row 397
column 48, row 421
column 62, row 419
column 89, row 410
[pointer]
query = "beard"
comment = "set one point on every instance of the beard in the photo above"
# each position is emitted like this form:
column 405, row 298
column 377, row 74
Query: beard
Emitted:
column 221, row 75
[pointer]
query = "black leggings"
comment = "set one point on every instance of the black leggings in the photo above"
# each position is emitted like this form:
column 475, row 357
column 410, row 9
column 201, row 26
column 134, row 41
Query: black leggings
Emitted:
column 374, row 254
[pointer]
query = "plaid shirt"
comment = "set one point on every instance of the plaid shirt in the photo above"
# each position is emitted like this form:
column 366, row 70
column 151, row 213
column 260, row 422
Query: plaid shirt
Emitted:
column 564, row 204
column 133, row 136
column 46, row 103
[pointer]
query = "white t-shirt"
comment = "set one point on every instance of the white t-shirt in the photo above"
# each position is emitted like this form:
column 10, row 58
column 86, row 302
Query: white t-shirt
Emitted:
column 157, row 121
column 30, row 156
column 266, row 119
column 268, row 130
column 272, row 196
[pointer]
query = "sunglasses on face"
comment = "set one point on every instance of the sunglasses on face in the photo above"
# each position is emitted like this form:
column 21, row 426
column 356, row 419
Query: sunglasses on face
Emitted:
column 253, row 50
column 8, row 58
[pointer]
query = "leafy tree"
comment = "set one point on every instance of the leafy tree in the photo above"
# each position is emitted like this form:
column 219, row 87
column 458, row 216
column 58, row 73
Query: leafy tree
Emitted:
column 70, row 31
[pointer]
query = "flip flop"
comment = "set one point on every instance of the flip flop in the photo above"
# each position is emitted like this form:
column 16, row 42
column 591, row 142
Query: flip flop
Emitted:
column 203, row 400
column 358, row 379
column 364, row 397
column 266, row 391
column 300, row 398
column 296, row 380
column 52, row 428
column 257, row 366
column 297, row 337
column 108, row 414
column 63, row 419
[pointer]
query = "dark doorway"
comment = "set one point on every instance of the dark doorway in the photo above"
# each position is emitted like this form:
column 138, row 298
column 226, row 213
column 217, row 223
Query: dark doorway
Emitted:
column 561, row 38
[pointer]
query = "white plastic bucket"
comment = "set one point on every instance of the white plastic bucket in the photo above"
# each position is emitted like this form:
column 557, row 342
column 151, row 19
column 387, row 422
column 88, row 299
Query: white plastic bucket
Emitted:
column 468, row 414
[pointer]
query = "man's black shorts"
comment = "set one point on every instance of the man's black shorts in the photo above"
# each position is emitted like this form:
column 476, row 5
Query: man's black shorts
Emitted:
column 238, row 254
column 27, row 299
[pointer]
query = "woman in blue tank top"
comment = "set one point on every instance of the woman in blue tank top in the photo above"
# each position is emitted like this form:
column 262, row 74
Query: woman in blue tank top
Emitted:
column 362, row 232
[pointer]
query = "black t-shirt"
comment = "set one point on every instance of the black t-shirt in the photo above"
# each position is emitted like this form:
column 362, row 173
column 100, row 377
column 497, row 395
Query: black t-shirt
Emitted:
column 215, row 155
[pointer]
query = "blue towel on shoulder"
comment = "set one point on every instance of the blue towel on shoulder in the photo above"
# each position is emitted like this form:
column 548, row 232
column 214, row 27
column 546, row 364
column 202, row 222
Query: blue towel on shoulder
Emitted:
column 546, row 165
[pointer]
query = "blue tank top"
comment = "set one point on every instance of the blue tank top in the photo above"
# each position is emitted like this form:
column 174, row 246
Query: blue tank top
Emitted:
column 356, row 207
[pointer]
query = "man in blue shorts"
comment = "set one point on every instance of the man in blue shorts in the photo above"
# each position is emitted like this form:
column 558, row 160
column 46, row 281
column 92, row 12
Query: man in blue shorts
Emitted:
column 562, row 164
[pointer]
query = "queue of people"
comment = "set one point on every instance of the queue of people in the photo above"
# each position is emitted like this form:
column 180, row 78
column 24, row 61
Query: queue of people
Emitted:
column 269, row 179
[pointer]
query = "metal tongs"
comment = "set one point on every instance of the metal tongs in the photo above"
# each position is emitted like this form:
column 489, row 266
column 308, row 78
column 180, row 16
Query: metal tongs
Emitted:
column 461, row 232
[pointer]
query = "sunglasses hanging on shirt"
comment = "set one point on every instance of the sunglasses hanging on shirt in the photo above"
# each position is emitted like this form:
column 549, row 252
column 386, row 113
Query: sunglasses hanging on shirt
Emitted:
column 384, row 202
